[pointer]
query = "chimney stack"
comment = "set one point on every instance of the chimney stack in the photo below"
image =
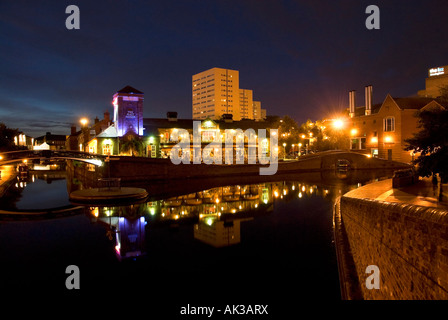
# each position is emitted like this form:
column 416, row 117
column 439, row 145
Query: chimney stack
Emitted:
column 107, row 117
column 172, row 116
column 73, row 129
column 368, row 100
column 351, row 98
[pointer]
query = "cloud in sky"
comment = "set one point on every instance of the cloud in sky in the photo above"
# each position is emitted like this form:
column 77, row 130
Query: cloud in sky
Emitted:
column 300, row 57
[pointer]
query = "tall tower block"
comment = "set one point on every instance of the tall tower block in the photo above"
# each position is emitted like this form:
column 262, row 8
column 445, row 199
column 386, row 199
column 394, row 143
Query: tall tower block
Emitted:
column 128, row 111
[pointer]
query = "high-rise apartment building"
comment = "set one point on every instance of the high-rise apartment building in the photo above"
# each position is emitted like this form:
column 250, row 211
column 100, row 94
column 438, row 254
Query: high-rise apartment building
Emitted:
column 246, row 104
column 216, row 92
column 256, row 106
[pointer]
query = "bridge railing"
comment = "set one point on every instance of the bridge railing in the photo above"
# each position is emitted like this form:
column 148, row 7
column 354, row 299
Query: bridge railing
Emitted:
column 109, row 184
column 30, row 154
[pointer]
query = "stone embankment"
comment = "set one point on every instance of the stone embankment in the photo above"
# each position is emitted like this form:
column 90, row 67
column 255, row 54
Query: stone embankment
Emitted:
column 402, row 235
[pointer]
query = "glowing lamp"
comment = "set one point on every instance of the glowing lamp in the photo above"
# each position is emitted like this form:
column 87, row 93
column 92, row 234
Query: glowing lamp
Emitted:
column 84, row 121
column 338, row 124
column 388, row 139
column 354, row 132
column 374, row 140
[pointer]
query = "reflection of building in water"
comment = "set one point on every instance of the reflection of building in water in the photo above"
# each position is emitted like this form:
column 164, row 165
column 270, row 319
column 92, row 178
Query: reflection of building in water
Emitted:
column 233, row 200
column 215, row 213
column 218, row 233
column 125, row 226
column 220, row 200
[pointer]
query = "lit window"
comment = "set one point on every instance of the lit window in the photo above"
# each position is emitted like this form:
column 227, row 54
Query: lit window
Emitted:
column 389, row 124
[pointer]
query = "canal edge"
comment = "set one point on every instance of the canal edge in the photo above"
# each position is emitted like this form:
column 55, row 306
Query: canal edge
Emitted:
column 348, row 278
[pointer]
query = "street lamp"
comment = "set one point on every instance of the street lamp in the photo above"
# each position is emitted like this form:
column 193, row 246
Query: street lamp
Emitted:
column 300, row 145
column 338, row 124
column 84, row 121
column 284, row 147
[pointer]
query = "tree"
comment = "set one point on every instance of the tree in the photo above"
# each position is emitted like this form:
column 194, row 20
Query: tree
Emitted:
column 431, row 144
column 287, row 133
column 131, row 145
column 7, row 138
column 443, row 98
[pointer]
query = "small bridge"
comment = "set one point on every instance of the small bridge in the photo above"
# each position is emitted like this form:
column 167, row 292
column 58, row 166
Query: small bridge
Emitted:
column 20, row 156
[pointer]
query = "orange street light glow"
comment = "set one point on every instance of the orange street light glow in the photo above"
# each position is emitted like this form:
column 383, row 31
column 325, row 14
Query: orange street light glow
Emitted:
column 338, row 124
column 83, row 121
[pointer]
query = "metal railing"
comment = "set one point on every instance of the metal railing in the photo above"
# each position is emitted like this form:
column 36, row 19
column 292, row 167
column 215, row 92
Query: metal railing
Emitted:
column 109, row 184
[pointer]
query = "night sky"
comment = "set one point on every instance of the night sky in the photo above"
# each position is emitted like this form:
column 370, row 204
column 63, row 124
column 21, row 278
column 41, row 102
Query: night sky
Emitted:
column 300, row 57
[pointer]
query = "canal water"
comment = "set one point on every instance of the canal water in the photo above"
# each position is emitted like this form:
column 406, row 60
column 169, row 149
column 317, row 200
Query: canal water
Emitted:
column 210, row 243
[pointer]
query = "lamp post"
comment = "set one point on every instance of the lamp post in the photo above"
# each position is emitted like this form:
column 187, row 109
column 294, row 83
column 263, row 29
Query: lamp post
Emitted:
column 300, row 145
column 84, row 122
column 293, row 151
column 85, row 132
column 284, row 148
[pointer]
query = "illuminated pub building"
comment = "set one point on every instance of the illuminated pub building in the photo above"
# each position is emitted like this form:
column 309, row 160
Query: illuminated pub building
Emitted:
column 128, row 133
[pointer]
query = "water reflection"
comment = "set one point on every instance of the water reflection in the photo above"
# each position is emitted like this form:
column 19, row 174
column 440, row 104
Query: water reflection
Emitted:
column 125, row 226
column 35, row 190
column 215, row 214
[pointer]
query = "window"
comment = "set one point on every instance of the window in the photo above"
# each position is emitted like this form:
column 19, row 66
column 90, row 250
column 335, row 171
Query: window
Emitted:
column 389, row 124
column 208, row 135
column 106, row 149
column 363, row 144
column 358, row 144
column 153, row 151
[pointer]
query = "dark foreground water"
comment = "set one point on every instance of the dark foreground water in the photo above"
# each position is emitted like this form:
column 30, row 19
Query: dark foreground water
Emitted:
column 253, row 242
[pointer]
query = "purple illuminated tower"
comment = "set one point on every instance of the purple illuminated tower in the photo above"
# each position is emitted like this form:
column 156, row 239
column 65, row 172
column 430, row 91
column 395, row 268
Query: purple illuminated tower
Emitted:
column 128, row 111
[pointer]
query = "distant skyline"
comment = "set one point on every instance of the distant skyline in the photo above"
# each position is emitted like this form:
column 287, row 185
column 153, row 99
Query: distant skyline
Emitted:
column 300, row 58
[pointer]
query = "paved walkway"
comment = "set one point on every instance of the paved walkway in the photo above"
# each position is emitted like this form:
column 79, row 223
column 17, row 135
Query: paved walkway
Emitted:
column 422, row 193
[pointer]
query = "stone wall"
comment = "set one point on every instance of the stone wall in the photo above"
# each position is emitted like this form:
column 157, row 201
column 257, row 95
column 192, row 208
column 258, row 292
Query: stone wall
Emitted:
column 142, row 169
column 408, row 243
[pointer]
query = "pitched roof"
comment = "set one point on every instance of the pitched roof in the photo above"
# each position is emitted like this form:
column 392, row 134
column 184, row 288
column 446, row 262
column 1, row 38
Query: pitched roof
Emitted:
column 129, row 89
column 110, row 132
column 360, row 111
column 413, row 102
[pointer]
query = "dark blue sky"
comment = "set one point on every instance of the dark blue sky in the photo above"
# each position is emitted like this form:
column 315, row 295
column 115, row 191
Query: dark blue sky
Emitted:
column 300, row 57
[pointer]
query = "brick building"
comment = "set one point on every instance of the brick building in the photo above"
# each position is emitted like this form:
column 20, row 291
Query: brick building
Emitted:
column 381, row 130
column 155, row 137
